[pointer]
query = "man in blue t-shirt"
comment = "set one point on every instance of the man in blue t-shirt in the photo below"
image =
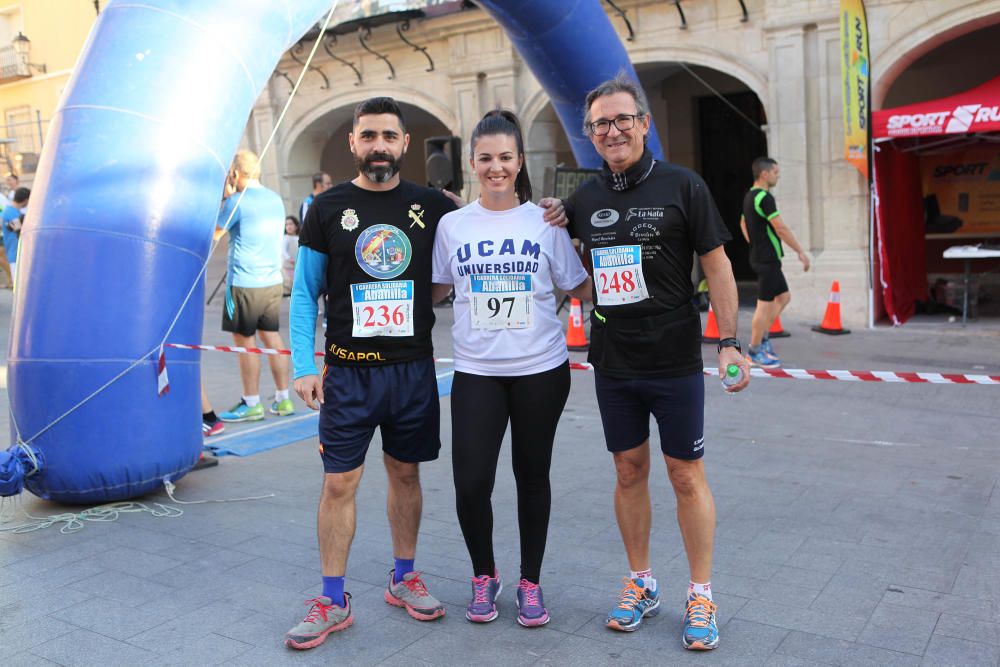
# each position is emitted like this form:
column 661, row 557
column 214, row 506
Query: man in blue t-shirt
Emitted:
column 13, row 217
column 254, row 217
column 321, row 183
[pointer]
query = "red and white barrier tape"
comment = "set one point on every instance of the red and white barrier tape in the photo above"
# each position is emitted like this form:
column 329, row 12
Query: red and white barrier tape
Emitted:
column 238, row 350
column 788, row 373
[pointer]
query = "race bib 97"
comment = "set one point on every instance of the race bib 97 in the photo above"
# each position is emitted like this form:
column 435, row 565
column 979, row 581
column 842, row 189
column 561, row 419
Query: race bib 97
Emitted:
column 618, row 275
column 383, row 308
column 499, row 301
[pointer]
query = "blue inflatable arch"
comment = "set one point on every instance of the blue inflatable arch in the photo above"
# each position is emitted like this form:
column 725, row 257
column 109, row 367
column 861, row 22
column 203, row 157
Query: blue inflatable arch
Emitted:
column 124, row 207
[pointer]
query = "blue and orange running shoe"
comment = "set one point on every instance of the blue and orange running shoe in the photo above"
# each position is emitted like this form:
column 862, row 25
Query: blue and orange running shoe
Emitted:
column 768, row 350
column 761, row 360
column 700, row 631
column 634, row 603
column 483, row 607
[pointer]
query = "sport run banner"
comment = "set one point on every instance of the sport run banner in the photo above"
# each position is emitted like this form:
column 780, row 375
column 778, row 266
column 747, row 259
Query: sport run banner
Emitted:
column 962, row 191
column 856, row 74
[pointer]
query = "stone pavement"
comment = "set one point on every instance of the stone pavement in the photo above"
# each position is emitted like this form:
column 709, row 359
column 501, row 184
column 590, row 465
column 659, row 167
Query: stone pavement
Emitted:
column 857, row 524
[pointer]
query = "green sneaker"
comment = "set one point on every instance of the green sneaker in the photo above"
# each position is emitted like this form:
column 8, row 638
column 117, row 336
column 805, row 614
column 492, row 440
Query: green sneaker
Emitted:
column 242, row 412
column 283, row 408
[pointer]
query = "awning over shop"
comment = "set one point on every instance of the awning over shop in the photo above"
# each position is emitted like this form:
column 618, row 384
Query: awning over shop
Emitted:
column 901, row 135
column 976, row 110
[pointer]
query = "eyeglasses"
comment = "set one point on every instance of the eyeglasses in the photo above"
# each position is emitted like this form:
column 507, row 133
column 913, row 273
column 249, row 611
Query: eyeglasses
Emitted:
column 623, row 122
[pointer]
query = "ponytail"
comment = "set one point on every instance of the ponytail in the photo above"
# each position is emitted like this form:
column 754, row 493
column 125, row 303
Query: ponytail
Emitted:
column 503, row 121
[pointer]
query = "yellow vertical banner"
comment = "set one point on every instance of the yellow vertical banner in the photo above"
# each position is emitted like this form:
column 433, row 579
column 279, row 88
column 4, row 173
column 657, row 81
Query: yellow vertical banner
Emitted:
column 855, row 71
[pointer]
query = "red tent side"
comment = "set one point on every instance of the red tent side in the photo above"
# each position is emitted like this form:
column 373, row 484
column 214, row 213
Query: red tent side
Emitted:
column 901, row 261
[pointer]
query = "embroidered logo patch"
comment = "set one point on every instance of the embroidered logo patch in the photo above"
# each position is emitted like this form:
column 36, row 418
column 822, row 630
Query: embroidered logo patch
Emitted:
column 416, row 214
column 383, row 251
column 349, row 220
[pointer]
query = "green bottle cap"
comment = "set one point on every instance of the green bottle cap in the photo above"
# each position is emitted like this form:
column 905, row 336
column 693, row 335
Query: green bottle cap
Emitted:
column 732, row 370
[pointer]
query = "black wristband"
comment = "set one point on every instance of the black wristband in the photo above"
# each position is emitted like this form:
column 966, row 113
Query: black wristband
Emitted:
column 731, row 342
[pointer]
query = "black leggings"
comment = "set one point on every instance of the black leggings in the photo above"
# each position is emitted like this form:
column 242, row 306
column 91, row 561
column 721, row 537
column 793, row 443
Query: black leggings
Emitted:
column 480, row 409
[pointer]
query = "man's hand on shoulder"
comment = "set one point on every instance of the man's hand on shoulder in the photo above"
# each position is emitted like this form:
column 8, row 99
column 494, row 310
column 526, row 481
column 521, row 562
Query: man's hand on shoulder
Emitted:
column 458, row 201
column 310, row 389
column 555, row 213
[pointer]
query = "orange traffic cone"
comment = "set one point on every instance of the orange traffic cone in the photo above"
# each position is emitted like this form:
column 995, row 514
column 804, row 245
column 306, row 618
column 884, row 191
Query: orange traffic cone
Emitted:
column 831, row 319
column 711, row 334
column 576, row 339
column 776, row 330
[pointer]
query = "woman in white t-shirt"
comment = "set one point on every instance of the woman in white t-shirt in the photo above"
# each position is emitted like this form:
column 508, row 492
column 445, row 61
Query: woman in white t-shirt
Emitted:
column 289, row 251
column 511, row 362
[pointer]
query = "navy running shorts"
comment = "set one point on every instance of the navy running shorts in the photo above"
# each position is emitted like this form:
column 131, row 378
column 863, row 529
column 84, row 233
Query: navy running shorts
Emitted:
column 770, row 280
column 678, row 403
column 400, row 399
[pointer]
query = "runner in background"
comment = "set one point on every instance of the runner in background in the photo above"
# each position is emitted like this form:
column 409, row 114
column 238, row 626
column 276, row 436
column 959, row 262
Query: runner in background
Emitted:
column 253, row 217
column 764, row 230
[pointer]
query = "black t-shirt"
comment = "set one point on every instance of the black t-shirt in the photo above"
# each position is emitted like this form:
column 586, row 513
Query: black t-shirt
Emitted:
column 759, row 208
column 671, row 216
column 379, row 270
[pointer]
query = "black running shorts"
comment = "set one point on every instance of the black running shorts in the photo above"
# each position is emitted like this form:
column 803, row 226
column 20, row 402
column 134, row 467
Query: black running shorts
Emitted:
column 770, row 280
column 251, row 309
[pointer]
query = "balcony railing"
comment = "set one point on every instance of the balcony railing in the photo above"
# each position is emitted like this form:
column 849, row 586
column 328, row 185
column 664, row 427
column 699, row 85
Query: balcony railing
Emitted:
column 21, row 142
column 12, row 65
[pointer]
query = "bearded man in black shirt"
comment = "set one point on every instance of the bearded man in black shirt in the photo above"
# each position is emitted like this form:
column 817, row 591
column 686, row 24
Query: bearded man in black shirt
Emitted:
column 642, row 221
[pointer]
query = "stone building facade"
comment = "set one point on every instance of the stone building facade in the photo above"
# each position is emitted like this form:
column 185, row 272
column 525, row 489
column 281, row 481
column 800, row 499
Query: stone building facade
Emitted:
column 779, row 65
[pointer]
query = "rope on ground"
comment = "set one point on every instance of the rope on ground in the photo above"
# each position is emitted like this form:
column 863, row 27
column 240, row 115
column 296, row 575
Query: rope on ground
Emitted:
column 74, row 521
column 170, row 488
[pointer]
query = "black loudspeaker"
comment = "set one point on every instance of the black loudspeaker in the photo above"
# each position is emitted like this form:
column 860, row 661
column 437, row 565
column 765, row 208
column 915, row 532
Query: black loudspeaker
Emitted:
column 443, row 162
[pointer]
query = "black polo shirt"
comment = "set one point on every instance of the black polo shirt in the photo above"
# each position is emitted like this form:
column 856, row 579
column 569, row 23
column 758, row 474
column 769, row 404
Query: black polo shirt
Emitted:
column 671, row 216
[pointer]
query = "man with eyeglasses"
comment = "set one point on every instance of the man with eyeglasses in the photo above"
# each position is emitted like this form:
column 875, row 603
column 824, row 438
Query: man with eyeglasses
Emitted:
column 643, row 220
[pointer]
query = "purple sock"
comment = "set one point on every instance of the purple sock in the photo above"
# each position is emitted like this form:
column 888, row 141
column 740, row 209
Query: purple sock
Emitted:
column 403, row 567
column 333, row 588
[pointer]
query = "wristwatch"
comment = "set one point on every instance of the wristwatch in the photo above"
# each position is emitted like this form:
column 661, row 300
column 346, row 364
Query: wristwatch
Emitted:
column 731, row 342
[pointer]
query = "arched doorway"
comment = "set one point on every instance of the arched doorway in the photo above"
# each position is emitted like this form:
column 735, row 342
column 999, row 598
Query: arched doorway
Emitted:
column 949, row 68
column 322, row 146
column 710, row 122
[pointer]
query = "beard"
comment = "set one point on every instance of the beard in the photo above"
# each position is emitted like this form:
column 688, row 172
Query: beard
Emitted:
column 380, row 173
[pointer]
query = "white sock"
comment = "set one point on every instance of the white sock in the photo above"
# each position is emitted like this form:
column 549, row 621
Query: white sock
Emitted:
column 705, row 590
column 647, row 578
column 251, row 400
column 281, row 395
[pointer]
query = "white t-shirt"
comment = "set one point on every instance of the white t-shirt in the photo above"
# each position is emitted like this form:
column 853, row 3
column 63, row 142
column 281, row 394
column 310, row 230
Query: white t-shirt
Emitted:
column 504, row 266
column 289, row 248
